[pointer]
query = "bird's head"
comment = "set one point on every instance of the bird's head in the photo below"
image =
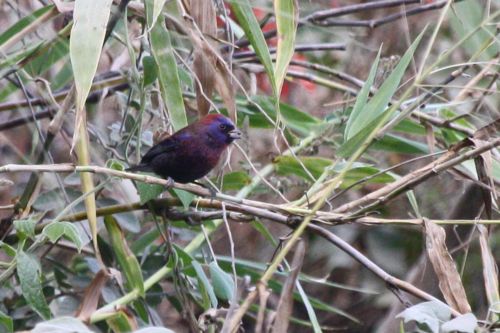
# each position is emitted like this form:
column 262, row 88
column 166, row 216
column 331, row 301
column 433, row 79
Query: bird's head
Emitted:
column 220, row 128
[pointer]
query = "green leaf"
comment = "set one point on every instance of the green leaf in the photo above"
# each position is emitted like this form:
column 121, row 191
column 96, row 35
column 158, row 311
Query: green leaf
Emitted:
column 352, row 145
column 466, row 17
column 9, row 250
column 234, row 180
column 168, row 73
column 25, row 228
column 51, row 52
column 466, row 323
column 206, row 288
column 293, row 118
column 115, row 164
column 121, row 322
column 246, row 18
column 286, row 165
column 375, row 113
column 146, row 239
column 409, row 126
column 128, row 262
column 29, row 274
column 156, row 11
column 287, row 14
column 87, row 36
column 309, row 308
column 399, row 144
column 150, row 70
column 6, row 322
column 357, row 173
column 262, row 229
column 429, row 313
column 56, row 230
column 355, row 122
column 184, row 196
column 149, row 191
column 222, row 282
column 21, row 24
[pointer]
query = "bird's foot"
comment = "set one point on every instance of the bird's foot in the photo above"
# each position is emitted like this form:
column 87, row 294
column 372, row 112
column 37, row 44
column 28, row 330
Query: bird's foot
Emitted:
column 212, row 189
column 170, row 182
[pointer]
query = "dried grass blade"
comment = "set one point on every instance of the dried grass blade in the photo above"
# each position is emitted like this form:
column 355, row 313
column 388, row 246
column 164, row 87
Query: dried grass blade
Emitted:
column 450, row 282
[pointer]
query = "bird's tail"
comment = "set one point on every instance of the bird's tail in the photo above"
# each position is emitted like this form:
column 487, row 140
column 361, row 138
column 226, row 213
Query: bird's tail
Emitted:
column 139, row 167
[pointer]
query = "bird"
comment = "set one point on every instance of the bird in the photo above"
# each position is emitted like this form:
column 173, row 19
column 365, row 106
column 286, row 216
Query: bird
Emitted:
column 191, row 152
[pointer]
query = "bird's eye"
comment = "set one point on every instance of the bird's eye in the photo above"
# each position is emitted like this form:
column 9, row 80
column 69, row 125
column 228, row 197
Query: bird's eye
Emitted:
column 222, row 126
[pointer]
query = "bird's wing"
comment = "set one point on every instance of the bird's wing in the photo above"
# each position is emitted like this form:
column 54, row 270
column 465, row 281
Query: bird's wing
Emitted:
column 169, row 144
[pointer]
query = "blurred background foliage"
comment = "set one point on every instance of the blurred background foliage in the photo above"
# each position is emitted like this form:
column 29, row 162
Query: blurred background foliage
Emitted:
column 370, row 94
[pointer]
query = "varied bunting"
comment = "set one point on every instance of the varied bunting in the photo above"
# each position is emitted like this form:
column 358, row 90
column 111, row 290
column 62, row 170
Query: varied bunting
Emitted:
column 191, row 152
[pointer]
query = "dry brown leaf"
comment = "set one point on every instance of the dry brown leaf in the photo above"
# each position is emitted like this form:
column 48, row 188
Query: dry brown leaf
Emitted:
column 285, row 305
column 489, row 131
column 484, row 167
column 221, row 73
column 92, row 295
column 490, row 272
column 450, row 282
column 204, row 15
column 431, row 138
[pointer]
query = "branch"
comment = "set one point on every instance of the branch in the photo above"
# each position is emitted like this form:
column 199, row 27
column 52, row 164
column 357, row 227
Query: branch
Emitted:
column 414, row 178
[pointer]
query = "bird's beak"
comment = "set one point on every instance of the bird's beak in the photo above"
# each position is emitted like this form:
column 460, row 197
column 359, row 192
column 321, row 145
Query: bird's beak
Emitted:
column 234, row 134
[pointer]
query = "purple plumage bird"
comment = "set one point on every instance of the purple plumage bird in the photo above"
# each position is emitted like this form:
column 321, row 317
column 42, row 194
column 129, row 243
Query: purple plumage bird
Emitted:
column 191, row 152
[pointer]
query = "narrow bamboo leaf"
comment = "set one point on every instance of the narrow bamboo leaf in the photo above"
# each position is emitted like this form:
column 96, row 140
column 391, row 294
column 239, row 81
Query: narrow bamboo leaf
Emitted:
column 222, row 282
column 23, row 23
column 246, row 18
column 286, row 165
column 83, row 152
column 353, row 124
column 205, row 285
column 465, row 18
column 150, row 70
column 293, row 118
column 168, row 73
column 399, row 144
column 287, row 14
column 262, row 229
column 254, row 269
column 8, row 250
column 53, row 52
column 378, row 104
column 29, row 274
column 350, row 146
column 309, row 308
column 87, row 36
column 128, row 262
column 6, row 322
column 156, row 11
column 146, row 239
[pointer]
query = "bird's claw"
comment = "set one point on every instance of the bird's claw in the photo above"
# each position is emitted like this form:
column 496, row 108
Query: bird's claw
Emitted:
column 170, row 183
column 209, row 187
